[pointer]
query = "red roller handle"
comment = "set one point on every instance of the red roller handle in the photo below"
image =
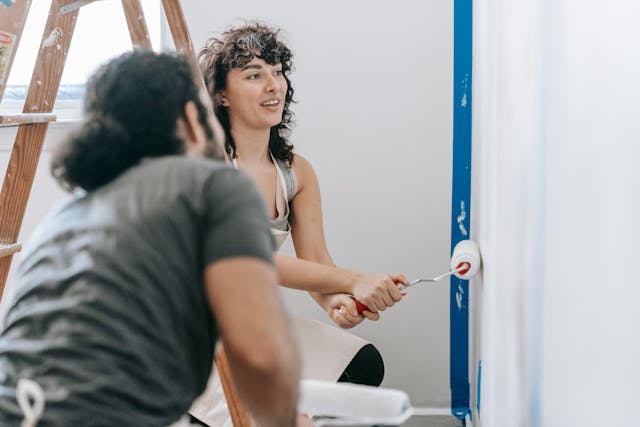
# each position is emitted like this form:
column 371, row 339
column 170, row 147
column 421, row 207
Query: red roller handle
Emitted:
column 466, row 268
column 361, row 307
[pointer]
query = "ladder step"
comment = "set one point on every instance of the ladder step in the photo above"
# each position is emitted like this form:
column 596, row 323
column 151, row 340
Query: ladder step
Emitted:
column 72, row 7
column 26, row 119
column 7, row 249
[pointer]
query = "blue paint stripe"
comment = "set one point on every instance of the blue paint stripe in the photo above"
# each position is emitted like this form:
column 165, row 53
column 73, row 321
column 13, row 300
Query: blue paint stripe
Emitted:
column 461, row 202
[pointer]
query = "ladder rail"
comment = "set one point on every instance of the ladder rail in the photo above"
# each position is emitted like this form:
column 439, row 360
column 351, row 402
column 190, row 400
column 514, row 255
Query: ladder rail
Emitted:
column 52, row 56
column 178, row 27
column 137, row 25
column 239, row 415
column 182, row 40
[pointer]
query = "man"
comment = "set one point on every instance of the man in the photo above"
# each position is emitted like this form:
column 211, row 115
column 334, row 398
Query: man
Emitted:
column 124, row 290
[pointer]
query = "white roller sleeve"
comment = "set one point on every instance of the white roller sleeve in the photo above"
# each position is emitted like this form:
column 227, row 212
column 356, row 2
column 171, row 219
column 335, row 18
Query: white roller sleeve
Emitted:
column 344, row 404
column 466, row 251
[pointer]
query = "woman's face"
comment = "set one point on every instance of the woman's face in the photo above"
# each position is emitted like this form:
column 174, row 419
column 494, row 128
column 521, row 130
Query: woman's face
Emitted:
column 255, row 95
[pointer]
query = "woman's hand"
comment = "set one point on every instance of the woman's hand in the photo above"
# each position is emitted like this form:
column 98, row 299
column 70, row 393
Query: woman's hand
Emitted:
column 377, row 291
column 342, row 310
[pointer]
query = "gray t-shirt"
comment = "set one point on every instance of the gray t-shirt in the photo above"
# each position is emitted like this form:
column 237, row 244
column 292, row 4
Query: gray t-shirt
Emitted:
column 109, row 313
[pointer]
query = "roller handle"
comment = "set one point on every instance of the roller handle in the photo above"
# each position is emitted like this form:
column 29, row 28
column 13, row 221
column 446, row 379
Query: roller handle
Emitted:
column 462, row 268
column 360, row 306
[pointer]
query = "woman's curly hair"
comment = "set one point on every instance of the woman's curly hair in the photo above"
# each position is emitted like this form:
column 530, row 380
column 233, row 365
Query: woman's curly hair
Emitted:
column 235, row 48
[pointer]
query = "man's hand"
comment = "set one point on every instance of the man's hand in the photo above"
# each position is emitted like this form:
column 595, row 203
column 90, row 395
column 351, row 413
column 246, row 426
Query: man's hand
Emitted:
column 377, row 291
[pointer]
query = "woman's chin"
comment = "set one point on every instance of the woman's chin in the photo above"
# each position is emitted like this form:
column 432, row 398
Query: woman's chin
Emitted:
column 273, row 122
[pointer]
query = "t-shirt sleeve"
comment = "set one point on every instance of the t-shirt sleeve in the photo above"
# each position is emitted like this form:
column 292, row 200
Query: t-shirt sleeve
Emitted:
column 235, row 219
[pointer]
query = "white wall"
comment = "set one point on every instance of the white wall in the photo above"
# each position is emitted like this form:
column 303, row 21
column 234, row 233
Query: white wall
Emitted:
column 374, row 85
column 591, row 322
column 557, row 140
column 506, row 203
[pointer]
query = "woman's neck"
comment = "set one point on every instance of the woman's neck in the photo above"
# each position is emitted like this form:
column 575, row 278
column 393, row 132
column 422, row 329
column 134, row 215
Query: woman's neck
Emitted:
column 252, row 145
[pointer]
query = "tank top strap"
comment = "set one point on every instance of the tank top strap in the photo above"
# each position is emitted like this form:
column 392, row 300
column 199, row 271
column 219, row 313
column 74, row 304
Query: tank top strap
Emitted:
column 289, row 177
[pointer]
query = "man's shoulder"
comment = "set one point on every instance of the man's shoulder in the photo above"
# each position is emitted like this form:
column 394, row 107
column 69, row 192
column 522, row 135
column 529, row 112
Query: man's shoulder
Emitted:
column 178, row 169
column 211, row 178
column 181, row 162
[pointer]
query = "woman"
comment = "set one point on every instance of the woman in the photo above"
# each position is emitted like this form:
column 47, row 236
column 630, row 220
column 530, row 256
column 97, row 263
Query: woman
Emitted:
column 247, row 74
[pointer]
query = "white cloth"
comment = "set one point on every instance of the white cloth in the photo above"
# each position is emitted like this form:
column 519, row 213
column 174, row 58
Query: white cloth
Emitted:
column 325, row 352
column 343, row 404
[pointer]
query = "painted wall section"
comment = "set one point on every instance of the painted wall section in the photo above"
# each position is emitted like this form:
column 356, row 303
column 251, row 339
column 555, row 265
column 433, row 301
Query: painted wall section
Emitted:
column 510, row 190
column 591, row 320
column 556, row 143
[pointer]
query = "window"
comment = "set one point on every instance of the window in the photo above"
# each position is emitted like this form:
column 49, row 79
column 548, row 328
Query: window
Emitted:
column 101, row 33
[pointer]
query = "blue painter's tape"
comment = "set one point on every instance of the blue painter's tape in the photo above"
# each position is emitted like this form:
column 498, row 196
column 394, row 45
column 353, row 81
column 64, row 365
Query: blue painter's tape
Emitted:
column 461, row 202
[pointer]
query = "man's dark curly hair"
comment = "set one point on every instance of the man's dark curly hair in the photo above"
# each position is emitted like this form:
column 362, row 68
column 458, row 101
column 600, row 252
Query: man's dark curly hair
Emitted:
column 131, row 112
column 235, row 48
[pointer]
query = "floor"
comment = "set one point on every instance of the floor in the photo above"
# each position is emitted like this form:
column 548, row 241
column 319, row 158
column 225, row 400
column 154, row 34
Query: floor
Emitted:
column 433, row 421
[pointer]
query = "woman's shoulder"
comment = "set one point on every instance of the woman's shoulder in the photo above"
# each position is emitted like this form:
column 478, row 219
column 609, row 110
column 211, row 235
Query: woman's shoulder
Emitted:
column 301, row 165
column 304, row 172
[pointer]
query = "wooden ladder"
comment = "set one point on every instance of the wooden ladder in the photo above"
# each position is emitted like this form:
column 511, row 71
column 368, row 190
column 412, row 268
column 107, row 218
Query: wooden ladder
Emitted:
column 37, row 114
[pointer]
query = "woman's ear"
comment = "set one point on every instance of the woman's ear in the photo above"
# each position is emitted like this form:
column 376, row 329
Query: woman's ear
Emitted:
column 222, row 98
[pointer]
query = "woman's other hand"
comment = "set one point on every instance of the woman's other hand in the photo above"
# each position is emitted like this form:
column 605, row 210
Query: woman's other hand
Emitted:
column 344, row 313
column 342, row 310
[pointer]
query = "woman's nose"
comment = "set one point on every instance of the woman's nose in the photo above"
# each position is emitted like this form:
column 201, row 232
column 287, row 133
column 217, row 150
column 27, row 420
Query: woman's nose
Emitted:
column 271, row 84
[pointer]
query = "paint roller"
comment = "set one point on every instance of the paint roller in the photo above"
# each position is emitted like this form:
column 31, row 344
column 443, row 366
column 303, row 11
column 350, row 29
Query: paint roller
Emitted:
column 466, row 257
column 345, row 404
column 465, row 263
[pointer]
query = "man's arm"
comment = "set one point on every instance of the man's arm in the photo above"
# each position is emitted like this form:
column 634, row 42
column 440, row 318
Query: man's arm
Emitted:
column 260, row 347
